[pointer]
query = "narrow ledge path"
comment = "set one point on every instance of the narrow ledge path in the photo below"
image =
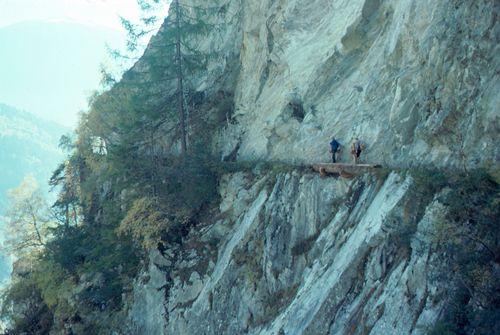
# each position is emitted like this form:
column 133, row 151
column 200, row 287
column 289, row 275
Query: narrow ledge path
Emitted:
column 343, row 169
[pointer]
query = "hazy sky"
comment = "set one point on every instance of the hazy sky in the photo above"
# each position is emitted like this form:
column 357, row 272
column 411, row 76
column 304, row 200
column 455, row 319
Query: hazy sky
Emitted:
column 94, row 12
column 51, row 52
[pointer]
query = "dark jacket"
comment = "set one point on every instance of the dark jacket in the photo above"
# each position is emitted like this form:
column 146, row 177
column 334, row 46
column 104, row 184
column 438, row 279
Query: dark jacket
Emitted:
column 334, row 145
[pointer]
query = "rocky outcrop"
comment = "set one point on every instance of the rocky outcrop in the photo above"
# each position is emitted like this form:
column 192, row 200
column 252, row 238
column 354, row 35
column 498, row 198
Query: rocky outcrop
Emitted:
column 415, row 80
column 289, row 252
column 297, row 254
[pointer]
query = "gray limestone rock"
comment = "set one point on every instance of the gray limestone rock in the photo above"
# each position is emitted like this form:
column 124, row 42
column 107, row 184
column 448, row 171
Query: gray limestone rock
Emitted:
column 306, row 256
column 416, row 81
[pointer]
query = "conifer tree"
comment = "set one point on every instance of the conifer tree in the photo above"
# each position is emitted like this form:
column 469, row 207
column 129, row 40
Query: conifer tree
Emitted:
column 173, row 60
column 65, row 180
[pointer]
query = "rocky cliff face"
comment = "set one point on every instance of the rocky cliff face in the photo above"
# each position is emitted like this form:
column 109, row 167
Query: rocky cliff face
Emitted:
column 415, row 80
column 297, row 254
column 289, row 252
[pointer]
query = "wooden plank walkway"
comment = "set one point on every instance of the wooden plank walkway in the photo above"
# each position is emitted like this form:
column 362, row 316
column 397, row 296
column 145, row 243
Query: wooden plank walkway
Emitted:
column 343, row 169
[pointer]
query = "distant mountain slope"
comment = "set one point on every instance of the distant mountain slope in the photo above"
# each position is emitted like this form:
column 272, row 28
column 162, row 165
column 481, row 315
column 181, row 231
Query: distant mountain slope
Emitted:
column 27, row 145
column 50, row 68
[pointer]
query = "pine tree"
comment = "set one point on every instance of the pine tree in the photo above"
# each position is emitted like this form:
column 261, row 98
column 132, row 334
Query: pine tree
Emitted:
column 143, row 115
column 172, row 56
column 180, row 86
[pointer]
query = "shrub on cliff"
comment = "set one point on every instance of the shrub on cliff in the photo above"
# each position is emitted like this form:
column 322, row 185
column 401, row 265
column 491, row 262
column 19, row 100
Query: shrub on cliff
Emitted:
column 184, row 186
column 468, row 242
column 23, row 308
column 145, row 223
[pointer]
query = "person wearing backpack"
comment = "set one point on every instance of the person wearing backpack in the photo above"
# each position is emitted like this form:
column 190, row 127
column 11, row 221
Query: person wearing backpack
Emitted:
column 356, row 148
column 334, row 148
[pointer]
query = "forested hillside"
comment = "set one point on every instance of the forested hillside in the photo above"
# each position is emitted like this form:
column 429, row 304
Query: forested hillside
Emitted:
column 131, row 182
column 28, row 145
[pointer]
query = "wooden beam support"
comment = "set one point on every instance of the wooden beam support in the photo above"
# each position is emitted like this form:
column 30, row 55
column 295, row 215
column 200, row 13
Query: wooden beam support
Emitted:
column 344, row 170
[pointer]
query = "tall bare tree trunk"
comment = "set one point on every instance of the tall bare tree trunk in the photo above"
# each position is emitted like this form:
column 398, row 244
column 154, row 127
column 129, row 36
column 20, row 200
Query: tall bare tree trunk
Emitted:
column 180, row 86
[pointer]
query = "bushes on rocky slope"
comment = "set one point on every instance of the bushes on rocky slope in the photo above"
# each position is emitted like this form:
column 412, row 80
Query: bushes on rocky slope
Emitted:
column 24, row 308
column 185, row 187
column 468, row 242
column 87, row 268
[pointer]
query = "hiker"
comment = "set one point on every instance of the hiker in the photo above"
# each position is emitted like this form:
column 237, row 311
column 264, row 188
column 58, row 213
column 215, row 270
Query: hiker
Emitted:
column 334, row 148
column 356, row 148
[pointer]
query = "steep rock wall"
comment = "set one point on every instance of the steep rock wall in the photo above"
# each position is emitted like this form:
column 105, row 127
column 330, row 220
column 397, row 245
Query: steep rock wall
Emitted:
column 297, row 254
column 415, row 80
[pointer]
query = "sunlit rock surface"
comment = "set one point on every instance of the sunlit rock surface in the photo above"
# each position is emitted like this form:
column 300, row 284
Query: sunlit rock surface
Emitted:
column 290, row 252
column 307, row 256
column 414, row 80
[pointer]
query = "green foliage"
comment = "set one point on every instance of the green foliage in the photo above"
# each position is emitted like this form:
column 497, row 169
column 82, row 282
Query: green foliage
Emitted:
column 24, row 309
column 428, row 182
column 93, row 258
column 28, row 224
column 145, row 223
column 442, row 328
column 114, row 258
column 123, row 188
column 184, row 187
column 188, row 182
column 468, row 243
column 65, row 178
column 173, row 59
column 54, row 283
